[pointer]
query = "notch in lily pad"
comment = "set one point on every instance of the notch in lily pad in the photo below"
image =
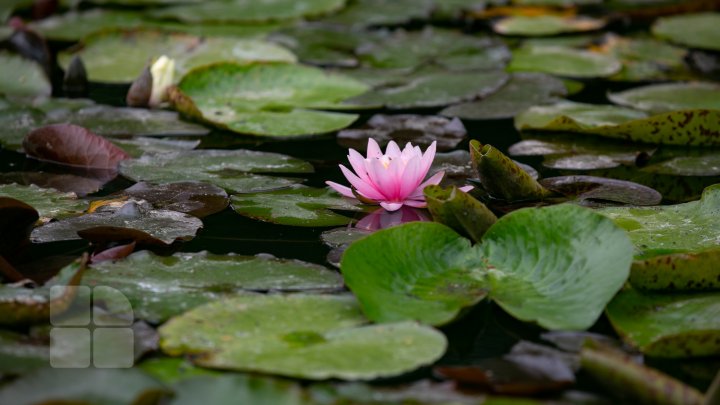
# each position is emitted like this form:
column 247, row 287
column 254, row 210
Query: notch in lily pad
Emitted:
column 557, row 266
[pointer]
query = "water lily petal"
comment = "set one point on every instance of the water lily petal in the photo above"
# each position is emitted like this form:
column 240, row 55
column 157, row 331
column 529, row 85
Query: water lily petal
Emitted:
column 391, row 206
column 410, row 178
column 435, row 179
column 392, row 150
column 357, row 161
column 427, row 158
column 373, row 149
column 367, row 190
column 345, row 191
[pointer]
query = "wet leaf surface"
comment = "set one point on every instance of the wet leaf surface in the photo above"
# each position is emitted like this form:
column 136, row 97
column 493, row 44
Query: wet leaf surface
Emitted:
column 297, row 206
column 403, row 128
column 678, row 271
column 668, row 325
column 433, row 47
column 458, row 210
column 49, row 203
column 521, row 92
column 657, row 98
column 233, row 170
column 681, row 228
column 162, row 287
column 130, row 221
column 192, row 197
column 20, row 305
column 308, row 336
column 119, row 57
column 431, row 88
column 378, row 12
column 273, row 99
column 596, row 191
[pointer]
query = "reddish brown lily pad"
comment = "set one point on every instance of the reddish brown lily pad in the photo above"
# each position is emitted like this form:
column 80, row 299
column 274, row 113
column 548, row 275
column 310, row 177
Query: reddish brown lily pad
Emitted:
column 73, row 145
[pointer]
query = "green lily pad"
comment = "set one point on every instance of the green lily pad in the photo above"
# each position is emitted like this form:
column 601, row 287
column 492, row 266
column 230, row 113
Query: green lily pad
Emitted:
column 22, row 78
column 73, row 26
column 540, row 265
column 657, row 98
column 20, row 354
column 101, row 119
column 416, row 271
column 379, row 12
column 306, row 336
column 572, row 152
column 298, row 206
column 233, row 170
column 434, row 47
column 143, row 145
column 162, row 287
column 699, row 162
column 272, row 99
column 700, row 30
column 647, row 59
column 49, row 203
column 94, row 386
column 22, row 306
column 247, row 11
column 697, row 127
column 231, row 389
column 132, row 220
column 668, row 325
column 120, row 56
column 562, row 61
column 432, row 89
column 681, row 228
column 521, row 92
column 545, row 25
column 322, row 45
column 171, row 370
column 678, row 271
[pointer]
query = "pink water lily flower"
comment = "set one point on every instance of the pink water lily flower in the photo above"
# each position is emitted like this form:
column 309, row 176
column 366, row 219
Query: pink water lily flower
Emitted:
column 392, row 179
